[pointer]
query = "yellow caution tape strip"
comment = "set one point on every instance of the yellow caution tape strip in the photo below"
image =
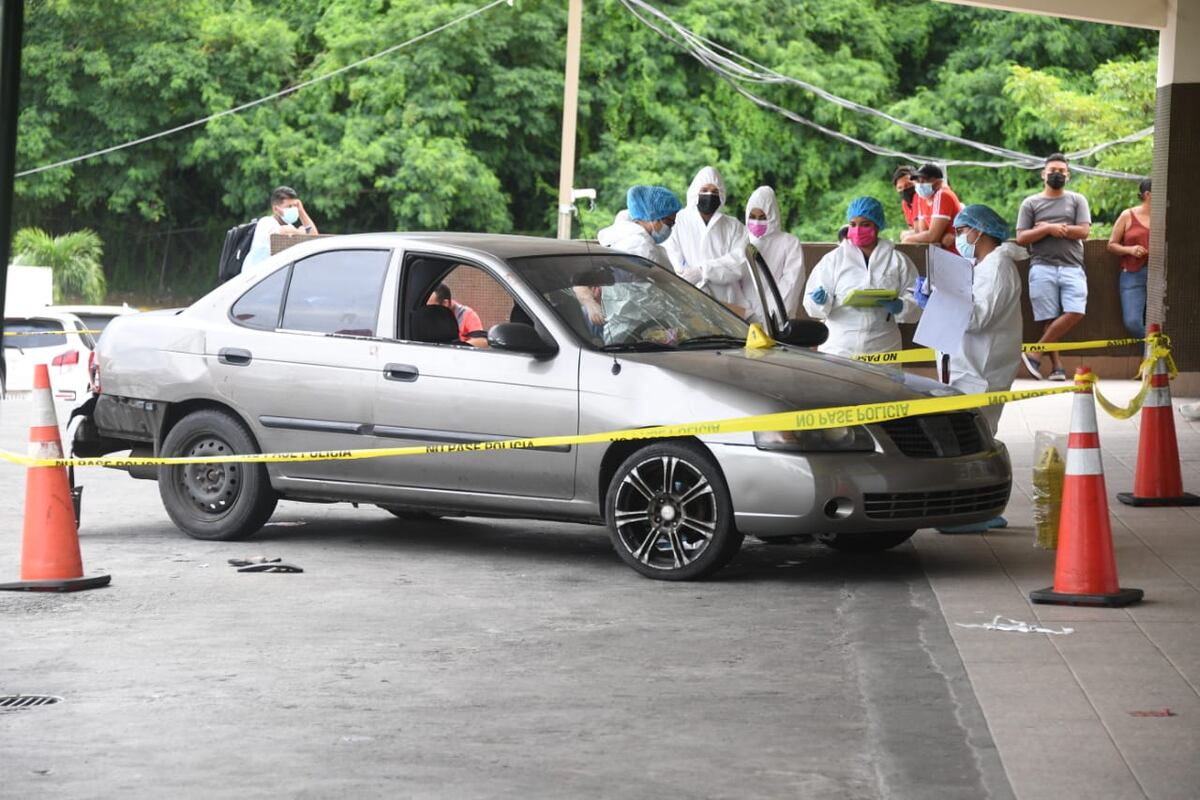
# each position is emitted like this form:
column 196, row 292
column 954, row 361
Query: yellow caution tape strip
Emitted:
column 922, row 354
column 47, row 333
column 814, row 419
column 1159, row 348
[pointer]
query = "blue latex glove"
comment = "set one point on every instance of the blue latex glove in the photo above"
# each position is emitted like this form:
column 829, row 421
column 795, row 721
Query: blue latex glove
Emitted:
column 893, row 306
column 920, row 295
column 819, row 295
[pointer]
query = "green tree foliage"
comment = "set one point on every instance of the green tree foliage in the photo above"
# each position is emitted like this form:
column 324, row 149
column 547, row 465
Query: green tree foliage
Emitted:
column 461, row 131
column 74, row 259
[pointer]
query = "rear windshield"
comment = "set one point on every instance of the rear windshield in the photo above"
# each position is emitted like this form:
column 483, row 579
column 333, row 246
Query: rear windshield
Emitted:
column 31, row 333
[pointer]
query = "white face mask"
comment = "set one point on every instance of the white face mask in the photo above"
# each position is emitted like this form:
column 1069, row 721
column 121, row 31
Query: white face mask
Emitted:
column 290, row 215
column 924, row 189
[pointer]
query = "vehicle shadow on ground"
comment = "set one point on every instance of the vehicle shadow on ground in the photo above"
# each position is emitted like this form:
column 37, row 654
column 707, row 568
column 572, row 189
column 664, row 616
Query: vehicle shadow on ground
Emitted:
column 543, row 544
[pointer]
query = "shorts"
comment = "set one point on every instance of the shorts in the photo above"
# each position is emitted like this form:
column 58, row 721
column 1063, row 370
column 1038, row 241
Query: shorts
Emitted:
column 1055, row 290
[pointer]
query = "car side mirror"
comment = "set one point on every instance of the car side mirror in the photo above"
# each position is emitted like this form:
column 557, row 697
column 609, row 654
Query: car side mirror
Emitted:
column 518, row 337
column 803, row 333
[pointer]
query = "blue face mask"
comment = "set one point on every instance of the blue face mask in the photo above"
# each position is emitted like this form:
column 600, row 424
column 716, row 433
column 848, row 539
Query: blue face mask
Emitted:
column 965, row 249
column 290, row 215
column 925, row 190
column 662, row 234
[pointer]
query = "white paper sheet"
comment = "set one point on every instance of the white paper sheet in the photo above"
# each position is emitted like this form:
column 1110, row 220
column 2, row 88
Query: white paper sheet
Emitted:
column 948, row 312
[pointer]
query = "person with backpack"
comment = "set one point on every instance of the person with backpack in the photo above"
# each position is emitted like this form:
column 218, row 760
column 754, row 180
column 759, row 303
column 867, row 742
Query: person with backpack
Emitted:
column 287, row 216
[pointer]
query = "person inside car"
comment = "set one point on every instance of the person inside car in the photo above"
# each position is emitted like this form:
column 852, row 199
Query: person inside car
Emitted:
column 468, row 320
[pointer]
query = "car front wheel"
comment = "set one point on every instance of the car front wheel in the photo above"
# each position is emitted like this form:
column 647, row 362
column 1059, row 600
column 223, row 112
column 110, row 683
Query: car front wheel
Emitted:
column 669, row 513
column 214, row 501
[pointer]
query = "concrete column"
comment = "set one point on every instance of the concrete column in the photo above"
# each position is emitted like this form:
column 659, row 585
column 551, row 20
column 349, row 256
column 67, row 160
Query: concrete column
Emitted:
column 1173, row 293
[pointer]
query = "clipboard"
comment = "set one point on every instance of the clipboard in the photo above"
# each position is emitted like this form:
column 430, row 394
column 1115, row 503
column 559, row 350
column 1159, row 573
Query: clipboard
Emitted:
column 868, row 298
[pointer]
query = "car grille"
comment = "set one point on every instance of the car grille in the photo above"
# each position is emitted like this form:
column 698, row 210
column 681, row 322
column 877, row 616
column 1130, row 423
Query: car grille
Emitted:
column 911, row 505
column 936, row 435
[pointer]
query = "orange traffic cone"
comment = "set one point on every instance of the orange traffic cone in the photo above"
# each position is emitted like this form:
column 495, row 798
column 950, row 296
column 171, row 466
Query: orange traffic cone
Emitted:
column 50, row 560
column 1157, row 481
column 1085, row 571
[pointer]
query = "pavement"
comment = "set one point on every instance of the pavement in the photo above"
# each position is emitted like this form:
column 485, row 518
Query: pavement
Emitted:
column 485, row 658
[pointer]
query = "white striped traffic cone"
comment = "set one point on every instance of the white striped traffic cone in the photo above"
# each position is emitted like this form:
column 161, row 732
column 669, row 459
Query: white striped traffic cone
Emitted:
column 1085, row 570
column 1157, row 480
column 50, row 560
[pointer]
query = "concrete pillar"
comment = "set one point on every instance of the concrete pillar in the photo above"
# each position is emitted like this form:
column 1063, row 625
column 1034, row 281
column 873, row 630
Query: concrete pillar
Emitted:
column 1173, row 293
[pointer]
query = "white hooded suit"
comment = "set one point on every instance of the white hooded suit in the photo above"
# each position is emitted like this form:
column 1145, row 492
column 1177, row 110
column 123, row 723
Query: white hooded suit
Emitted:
column 779, row 249
column 991, row 346
column 712, row 256
column 854, row 331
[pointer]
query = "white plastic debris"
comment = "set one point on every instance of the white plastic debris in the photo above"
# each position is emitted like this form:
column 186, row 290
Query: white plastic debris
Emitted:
column 1000, row 623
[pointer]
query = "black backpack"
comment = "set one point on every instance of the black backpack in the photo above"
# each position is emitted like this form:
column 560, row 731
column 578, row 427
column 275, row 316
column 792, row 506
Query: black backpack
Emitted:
column 233, row 253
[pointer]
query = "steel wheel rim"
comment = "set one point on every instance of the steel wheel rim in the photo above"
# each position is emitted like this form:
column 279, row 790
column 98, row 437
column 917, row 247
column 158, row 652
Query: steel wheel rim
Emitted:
column 210, row 489
column 665, row 513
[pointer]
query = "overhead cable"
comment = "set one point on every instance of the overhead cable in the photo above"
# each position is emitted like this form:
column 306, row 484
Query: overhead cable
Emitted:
column 282, row 93
column 728, row 67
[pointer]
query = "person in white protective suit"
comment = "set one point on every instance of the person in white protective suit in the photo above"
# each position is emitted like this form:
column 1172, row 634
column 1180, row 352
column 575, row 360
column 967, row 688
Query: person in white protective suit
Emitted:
column 646, row 222
column 708, row 247
column 779, row 249
column 991, row 346
column 639, row 229
column 862, row 261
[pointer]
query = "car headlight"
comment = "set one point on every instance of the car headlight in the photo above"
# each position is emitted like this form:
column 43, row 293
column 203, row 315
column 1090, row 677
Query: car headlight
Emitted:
column 854, row 439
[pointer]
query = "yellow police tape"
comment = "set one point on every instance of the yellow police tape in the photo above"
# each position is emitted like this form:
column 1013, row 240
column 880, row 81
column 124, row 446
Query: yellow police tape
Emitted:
column 814, row 419
column 923, row 354
column 1159, row 348
column 48, row 333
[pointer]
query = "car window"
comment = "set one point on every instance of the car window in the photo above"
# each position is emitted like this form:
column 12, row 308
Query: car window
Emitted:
column 472, row 296
column 616, row 302
column 88, row 341
column 31, row 333
column 95, row 322
column 336, row 292
column 259, row 306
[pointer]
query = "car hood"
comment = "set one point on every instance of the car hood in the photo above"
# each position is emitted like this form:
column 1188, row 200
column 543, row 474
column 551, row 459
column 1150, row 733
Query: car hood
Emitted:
column 795, row 378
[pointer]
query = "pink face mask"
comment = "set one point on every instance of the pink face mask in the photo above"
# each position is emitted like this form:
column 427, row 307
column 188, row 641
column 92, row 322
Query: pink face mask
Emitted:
column 757, row 227
column 862, row 236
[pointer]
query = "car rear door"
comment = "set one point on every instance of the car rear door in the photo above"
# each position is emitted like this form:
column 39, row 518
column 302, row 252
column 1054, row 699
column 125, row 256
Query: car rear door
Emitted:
column 299, row 358
column 453, row 393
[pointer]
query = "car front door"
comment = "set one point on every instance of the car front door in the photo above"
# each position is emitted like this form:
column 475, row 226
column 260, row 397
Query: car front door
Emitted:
column 299, row 359
column 450, row 392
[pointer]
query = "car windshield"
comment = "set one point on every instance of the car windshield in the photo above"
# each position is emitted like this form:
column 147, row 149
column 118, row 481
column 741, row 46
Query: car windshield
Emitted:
column 621, row 303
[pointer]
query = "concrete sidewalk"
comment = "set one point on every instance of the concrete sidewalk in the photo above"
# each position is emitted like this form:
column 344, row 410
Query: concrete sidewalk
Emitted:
column 1111, row 709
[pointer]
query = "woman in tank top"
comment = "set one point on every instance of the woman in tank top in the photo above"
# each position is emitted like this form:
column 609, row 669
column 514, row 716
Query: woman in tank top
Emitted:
column 1131, row 241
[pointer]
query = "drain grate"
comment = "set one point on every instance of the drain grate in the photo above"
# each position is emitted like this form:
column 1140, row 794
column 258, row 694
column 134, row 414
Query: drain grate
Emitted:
column 26, row 700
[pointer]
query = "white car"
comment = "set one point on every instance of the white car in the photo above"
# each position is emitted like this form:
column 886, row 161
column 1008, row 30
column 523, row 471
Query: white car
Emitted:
column 95, row 318
column 57, row 339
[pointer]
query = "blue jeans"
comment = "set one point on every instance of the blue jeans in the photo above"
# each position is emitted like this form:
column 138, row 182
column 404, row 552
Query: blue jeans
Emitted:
column 1133, row 301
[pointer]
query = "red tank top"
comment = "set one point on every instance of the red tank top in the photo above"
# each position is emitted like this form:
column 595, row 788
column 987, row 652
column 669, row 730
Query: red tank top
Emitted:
column 1135, row 233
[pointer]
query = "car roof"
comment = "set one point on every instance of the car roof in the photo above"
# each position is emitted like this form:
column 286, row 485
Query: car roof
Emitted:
column 93, row 310
column 53, row 315
column 502, row 246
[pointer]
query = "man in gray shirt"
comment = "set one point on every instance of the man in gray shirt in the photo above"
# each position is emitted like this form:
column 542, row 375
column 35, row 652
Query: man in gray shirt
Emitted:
column 1053, row 225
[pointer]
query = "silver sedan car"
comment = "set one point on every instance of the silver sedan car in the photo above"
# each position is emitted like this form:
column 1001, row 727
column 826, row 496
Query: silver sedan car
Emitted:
column 385, row 340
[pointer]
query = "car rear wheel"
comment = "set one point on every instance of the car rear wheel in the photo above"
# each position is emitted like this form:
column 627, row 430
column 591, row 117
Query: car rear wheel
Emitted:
column 217, row 502
column 865, row 542
column 669, row 513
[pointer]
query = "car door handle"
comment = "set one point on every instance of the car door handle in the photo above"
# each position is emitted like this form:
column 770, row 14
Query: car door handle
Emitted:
column 234, row 356
column 401, row 372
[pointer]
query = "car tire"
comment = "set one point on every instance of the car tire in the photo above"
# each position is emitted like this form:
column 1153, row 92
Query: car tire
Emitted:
column 669, row 513
column 411, row 514
column 214, row 502
column 865, row 542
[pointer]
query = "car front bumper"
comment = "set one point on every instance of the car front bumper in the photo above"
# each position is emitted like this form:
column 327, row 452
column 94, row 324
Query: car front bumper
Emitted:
column 779, row 494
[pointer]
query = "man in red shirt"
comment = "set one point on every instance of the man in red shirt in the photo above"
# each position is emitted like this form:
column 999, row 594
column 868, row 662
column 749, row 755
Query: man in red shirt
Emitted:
column 902, row 180
column 468, row 320
column 938, row 206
